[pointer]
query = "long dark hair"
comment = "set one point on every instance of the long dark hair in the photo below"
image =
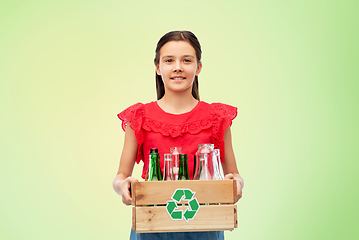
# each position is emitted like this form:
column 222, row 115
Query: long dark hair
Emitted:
column 177, row 36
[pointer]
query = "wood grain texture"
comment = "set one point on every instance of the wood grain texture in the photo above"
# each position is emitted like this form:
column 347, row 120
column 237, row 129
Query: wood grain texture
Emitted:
column 208, row 218
column 134, row 218
column 211, row 191
column 133, row 193
column 234, row 191
column 235, row 217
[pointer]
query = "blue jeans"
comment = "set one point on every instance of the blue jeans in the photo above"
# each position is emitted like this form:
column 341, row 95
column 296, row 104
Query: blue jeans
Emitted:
column 215, row 235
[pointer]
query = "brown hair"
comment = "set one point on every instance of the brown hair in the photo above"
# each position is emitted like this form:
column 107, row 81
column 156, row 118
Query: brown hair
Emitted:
column 177, row 36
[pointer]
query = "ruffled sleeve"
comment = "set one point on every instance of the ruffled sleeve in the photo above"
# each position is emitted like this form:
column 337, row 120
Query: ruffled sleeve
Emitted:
column 222, row 116
column 134, row 115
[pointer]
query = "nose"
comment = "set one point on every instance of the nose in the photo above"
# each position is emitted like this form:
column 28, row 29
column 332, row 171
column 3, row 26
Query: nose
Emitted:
column 177, row 67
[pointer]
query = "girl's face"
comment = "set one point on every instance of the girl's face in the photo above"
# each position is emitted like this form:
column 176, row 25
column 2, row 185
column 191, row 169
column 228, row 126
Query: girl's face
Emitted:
column 178, row 66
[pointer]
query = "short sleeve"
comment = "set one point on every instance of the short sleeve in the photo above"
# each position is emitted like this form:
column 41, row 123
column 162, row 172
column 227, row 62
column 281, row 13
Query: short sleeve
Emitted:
column 222, row 116
column 134, row 115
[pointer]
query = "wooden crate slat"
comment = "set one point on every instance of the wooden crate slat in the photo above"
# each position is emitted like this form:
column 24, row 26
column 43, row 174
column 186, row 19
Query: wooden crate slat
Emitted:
column 159, row 192
column 235, row 217
column 234, row 191
column 208, row 218
column 134, row 218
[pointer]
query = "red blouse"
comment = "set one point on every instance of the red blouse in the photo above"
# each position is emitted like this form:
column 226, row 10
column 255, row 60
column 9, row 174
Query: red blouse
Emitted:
column 155, row 128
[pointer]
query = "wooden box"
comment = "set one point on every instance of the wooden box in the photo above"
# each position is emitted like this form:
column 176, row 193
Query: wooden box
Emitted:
column 184, row 206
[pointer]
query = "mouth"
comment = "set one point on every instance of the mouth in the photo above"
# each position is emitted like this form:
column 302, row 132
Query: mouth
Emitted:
column 178, row 78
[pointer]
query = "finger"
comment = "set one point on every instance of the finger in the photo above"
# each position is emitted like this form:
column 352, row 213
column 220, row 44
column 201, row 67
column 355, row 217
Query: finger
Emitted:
column 239, row 196
column 229, row 176
column 131, row 179
column 126, row 203
column 127, row 200
column 126, row 195
column 240, row 193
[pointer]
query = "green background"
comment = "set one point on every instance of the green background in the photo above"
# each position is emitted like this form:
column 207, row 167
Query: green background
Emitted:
column 68, row 67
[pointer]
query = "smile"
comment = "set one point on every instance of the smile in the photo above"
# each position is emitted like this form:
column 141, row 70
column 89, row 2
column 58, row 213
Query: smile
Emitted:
column 178, row 78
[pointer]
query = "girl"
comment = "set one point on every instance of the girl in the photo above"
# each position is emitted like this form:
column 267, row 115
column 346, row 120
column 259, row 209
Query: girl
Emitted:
column 177, row 119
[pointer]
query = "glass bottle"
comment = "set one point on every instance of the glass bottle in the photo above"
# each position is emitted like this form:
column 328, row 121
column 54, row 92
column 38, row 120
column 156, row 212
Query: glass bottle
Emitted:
column 219, row 168
column 154, row 173
column 194, row 167
column 148, row 168
column 183, row 167
column 175, row 151
column 203, row 169
column 205, row 157
column 148, row 172
column 167, row 170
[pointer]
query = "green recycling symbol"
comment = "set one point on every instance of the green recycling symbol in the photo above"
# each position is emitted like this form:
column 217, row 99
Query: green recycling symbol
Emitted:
column 177, row 196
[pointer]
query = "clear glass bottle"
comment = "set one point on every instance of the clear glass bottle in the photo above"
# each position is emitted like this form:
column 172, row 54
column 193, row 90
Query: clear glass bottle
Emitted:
column 167, row 170
column 197, row 164
column 175, row 151
column 218, row 165
column 204, row 166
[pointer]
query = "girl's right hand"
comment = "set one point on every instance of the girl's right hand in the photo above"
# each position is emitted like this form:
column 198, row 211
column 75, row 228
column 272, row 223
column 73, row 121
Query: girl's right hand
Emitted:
column 125, row 190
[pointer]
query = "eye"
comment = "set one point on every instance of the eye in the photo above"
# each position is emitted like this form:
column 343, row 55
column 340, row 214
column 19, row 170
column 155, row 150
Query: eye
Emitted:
column 187, row 60
column 169, row 60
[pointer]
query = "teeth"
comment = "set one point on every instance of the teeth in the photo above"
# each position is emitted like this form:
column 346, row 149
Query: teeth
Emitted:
column 177, row 78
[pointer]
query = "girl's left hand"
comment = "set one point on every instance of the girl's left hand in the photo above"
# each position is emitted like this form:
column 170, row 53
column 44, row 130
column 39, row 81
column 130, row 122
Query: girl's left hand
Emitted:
column 239, row 181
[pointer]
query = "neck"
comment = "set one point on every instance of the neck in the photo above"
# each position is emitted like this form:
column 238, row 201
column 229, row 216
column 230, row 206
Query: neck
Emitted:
column 177, row 102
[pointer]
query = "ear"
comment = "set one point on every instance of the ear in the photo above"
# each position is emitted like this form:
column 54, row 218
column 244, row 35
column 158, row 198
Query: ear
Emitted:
column 199, row 68
column 158, row 69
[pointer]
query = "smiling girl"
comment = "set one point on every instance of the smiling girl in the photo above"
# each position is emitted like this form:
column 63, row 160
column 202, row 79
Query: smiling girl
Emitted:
column 177, row 118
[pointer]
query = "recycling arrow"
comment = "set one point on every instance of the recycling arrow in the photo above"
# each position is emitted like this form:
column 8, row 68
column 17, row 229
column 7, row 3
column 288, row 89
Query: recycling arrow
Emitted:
column 188, row 194
column 194, row 204
column 171, row 206
column 177, row 195
column 190, row 212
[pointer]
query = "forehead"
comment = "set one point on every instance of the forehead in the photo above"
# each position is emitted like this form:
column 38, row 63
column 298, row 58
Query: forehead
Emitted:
column 177, row 48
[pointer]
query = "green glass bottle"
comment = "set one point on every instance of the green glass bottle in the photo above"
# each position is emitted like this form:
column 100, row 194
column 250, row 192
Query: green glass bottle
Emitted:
column 183, row 167
column 194, row 167
column 154, row 171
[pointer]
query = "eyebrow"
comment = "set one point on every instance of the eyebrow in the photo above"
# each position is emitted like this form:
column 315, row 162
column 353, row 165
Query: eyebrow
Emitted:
column 168, row 56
